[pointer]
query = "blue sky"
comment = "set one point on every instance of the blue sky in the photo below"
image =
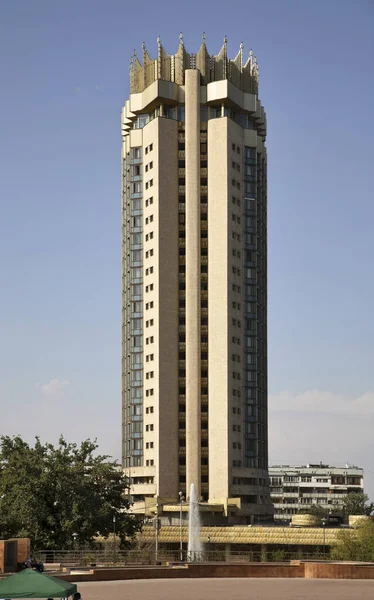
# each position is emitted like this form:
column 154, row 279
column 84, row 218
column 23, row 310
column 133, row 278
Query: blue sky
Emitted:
column 64, row 77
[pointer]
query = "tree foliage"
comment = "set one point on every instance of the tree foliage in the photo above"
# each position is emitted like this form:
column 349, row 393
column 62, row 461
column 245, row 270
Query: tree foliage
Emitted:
column 49, row 493
column 355, row 544
column 357, row 503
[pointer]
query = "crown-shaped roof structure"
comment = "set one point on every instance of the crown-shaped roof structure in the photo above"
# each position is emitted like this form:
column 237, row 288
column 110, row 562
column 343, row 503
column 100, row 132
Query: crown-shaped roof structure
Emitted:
column 171, row 67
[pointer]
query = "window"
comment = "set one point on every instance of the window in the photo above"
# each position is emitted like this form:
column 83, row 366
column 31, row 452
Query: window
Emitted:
column 136, row 323
column 136, row 307
column 251, row 273
column 136, row 256
column 249, row 153
column 137, row 341
column 136, row 187
column 249, row 188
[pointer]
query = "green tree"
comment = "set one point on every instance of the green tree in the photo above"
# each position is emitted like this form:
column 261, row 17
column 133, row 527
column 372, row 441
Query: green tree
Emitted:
column 49, row 493
column 357, row 503
column 355, row 544
column 321, row 512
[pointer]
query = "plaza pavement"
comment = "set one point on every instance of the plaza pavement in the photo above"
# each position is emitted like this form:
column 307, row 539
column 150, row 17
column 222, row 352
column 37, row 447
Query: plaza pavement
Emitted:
column 227, row 589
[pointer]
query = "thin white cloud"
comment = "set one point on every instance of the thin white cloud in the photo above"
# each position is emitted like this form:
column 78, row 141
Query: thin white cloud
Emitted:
column 316, row 401
column 55, row 387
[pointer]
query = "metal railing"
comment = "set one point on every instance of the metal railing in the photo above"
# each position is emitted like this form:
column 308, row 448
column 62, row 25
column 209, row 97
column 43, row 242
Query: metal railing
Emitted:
column 119, row 558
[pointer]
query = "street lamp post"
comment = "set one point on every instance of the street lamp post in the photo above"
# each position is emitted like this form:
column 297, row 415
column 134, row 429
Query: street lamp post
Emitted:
column 181, row 499
column 324, row 521
column 114, row 539
column 75, row 537
column 157, row 527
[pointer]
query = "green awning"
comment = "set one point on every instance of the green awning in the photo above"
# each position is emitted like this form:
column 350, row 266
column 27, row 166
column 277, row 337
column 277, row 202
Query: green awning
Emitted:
column 31, row 584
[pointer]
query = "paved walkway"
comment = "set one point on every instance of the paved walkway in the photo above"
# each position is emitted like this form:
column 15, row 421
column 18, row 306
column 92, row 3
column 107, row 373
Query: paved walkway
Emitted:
column 227, row 589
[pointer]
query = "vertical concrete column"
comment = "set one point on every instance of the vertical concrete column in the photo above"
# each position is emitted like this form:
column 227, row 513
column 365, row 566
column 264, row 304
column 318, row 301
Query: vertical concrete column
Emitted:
column 192, row 154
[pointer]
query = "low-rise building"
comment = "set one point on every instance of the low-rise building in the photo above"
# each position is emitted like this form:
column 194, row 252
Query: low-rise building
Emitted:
column 296, row 489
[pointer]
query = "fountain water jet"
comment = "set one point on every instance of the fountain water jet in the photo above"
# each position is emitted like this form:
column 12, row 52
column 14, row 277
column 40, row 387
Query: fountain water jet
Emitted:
column 195, row 549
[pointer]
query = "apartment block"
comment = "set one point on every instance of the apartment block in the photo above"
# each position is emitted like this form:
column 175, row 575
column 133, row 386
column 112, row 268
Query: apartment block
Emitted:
column 194, row 280
column 296, row 489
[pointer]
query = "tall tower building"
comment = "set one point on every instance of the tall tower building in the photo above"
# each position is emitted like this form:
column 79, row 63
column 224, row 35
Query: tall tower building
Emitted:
column 194, row 277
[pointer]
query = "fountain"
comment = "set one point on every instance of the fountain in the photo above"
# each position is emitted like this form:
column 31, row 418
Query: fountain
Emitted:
column 195, row 549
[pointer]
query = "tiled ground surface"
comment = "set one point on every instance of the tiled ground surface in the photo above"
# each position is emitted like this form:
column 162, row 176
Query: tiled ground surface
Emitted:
column 227, row 589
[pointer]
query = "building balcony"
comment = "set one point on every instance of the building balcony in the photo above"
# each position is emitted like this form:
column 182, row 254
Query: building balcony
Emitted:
column 204, row 172
column 143, row 488
column 182, row 172
column 181, row 154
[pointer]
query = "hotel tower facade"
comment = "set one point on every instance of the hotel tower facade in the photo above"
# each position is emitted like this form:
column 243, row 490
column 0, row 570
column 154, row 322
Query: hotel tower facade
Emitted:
column 194, row 281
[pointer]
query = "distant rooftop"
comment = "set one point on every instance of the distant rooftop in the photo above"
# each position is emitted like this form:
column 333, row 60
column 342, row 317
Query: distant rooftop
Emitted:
column 171, row 67
column 320, row 465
